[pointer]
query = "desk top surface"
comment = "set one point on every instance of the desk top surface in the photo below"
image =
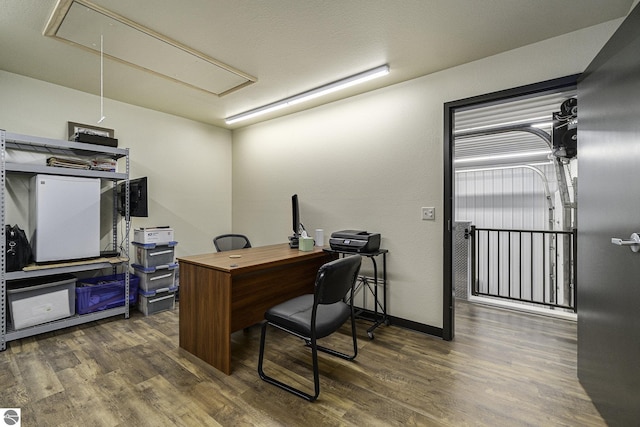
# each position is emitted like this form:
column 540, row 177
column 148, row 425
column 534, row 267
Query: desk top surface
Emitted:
column 244, row 260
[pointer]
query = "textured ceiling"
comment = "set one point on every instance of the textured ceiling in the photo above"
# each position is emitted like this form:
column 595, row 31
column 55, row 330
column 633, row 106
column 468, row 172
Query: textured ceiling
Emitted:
column 290, row 46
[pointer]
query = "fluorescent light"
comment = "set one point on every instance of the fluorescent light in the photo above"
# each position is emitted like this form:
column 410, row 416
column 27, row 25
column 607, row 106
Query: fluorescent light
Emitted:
column 255, row 112
column 313, row 93
column 503, row 156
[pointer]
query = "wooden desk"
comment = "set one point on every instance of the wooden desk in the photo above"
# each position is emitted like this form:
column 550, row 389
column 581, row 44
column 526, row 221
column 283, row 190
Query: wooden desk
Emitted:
column 221, row 293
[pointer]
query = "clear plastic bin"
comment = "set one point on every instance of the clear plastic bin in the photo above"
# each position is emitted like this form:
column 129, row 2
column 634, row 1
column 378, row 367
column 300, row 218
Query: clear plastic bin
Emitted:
column 152, row 278
column 156, row 301
column 35, row 301
column 153, row 255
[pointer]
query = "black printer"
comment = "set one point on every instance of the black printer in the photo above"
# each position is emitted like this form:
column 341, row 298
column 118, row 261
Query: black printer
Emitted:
column 354, row 241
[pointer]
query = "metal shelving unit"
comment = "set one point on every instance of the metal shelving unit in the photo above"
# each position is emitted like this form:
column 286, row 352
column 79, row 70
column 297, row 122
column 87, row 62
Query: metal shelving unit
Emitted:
column 69, row 148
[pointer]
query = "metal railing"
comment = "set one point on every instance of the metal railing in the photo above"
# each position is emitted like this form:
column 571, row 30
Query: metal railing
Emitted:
column 530, row 266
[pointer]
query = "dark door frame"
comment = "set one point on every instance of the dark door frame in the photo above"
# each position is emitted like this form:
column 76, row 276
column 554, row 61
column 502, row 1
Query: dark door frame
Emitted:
column 450, row 108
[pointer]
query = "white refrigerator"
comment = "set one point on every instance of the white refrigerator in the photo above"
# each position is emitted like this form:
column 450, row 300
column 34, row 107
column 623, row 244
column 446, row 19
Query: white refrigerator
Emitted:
column 64, row 217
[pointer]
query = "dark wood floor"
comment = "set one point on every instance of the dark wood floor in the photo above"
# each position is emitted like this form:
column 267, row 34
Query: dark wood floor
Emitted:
column 503, row 369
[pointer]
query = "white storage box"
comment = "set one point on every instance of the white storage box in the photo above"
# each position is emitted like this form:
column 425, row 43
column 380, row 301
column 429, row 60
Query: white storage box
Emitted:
column 153, row 254
column 158, row 235
column 156, row 301
column 35, row 301
column 152, row 278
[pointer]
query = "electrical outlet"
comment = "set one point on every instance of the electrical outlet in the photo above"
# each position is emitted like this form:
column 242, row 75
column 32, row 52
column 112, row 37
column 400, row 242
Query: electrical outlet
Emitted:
column 428, row 214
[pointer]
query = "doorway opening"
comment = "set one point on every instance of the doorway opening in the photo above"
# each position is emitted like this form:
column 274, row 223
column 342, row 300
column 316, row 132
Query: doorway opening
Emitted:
column 510, row 180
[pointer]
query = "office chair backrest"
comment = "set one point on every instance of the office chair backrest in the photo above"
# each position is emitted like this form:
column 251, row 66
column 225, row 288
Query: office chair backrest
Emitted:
column 336, row 278
column 228, row 242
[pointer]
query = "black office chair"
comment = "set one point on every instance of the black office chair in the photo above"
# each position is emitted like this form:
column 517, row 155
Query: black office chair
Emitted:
column 228, row 242
column 314, row 316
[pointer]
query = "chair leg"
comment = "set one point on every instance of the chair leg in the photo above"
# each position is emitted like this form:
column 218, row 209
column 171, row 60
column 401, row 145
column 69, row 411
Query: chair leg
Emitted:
column 316, row 369
column 290, row 389
column 339, row 354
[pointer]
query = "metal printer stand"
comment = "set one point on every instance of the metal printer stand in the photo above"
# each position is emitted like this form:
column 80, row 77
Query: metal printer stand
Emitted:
column 379, row 313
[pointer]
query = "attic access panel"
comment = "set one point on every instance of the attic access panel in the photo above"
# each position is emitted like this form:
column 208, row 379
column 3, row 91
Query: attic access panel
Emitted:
column 81, row 23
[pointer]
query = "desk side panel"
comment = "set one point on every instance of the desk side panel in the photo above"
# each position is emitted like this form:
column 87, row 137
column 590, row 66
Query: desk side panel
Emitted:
column 255, row 292
column 205, row 296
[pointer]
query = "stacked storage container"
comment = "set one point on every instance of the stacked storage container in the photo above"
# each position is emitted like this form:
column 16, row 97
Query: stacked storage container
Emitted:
column 40, row 300
column 156, row 267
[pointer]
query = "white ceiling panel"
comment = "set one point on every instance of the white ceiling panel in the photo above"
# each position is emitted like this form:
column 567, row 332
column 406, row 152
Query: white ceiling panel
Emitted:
column 102, row 31
column 287, row 46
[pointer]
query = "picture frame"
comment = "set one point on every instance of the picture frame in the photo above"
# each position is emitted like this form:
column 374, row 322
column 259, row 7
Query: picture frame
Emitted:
column 74, row 128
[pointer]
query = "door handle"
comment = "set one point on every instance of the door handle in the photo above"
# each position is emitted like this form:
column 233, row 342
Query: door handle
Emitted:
column 634, row 242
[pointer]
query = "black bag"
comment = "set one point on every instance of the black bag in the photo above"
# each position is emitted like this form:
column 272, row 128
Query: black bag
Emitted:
column 18, row 250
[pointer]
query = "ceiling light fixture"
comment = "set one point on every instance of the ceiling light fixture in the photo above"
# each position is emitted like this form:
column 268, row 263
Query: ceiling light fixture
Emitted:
column 311, row 94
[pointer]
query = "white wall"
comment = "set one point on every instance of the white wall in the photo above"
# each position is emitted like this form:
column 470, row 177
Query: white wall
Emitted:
column 370, row 162
column 188, row 164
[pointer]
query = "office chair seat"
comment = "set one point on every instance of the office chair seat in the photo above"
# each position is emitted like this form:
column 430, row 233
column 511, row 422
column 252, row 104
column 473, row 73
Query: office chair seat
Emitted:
column 295, row 315
column 311, row 317
column 228, row 242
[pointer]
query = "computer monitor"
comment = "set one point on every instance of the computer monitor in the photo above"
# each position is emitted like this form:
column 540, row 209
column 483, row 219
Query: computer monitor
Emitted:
column 138, row 199
column 295, row 214
column 296, row 225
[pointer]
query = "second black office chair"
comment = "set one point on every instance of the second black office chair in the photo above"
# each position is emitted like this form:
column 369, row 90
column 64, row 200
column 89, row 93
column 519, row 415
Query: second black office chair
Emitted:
column 228, row 242
column 314, row 316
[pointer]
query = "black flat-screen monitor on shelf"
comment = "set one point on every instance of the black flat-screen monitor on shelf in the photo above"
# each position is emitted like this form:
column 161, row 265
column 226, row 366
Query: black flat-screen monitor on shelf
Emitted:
column 138, row 203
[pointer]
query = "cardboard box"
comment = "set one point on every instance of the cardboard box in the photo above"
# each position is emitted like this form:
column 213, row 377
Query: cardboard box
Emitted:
column 159, row 235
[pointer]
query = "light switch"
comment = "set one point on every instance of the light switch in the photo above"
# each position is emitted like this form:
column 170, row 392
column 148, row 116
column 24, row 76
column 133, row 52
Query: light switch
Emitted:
column 428, row 214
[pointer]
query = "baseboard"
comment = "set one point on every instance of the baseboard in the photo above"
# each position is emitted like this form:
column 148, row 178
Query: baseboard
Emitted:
column 403, row 323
